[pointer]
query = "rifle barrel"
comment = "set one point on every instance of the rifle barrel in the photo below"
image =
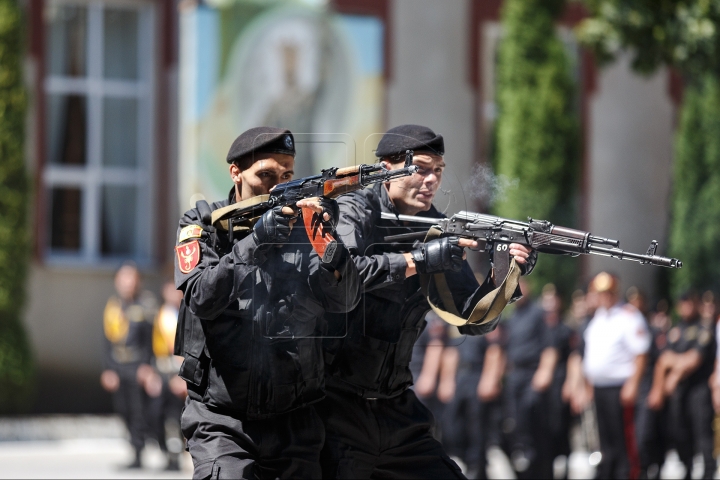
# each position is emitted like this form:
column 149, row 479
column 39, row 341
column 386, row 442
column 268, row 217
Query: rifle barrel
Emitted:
column 645, row 259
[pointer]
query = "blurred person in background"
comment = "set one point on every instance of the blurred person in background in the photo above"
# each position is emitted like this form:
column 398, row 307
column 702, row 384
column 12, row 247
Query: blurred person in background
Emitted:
column 531, row 360
column 426, row 366
column 576, row 390
column 165, row 388
column 616, row 342
column 681, row 378
column 472, row 377
column 649, row 423
column 128, row 324
column 562, row 340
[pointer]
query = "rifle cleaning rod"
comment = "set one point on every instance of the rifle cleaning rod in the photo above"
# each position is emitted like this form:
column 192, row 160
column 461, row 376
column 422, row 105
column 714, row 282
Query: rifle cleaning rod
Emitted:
column 409, row 218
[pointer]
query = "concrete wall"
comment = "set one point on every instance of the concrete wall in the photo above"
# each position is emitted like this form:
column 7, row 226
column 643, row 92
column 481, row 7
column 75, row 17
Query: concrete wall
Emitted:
column 429, row 79
column 630, row 158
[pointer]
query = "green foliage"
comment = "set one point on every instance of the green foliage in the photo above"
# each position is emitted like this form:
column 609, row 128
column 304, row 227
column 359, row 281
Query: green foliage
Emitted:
column 537, row 127
column 682, row 33
column 15, row 358
column 695, row 232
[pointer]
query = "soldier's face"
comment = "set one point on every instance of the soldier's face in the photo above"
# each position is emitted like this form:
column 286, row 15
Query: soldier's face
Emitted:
column 415, row 193
column 686, row 309
column 127, row 282
column 262, row 176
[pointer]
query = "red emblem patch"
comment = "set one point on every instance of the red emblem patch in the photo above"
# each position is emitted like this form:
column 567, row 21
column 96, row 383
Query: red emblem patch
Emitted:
column 188, row 256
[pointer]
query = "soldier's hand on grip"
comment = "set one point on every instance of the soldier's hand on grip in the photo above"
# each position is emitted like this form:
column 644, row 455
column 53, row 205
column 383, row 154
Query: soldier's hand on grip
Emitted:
column 331, row 212
column 438, row 255
column 273, row 227
column 530, row 262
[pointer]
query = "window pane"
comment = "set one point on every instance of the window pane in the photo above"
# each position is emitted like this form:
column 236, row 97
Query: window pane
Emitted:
column 121, row 44
column 66, row 40
column 118, row 220
column 120, row 132
column 66, row 129
column 65, row 221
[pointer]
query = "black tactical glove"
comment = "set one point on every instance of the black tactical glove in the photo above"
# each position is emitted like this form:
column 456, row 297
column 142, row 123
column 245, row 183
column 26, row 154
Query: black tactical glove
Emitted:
column 530, row 262
column 331, row 207
column 272, row 227
column 438, row 255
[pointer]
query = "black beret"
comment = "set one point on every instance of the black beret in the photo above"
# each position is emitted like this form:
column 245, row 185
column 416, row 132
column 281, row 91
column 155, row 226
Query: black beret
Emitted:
column 409, row 137
column 262, row 140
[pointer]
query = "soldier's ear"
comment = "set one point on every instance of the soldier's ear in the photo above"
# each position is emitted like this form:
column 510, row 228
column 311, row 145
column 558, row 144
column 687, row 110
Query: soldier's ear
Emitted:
column 235, row 174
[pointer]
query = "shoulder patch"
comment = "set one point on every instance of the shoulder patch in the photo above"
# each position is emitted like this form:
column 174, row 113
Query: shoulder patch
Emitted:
column 191, row 231
column 704, row 337
column 188, row 256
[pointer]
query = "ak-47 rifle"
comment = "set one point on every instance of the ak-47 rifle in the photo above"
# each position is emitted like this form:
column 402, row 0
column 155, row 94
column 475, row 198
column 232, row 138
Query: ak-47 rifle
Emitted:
column 331, row 183
column 498, row 233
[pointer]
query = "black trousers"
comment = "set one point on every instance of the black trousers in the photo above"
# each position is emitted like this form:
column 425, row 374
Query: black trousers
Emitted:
column 464, row 424
column 616, row 426
column 227, row 447
column 382, row 438
column 558, row 417
column 650, row 433
column 527, row 413
column 164, row 418
column 130, row 401
column 691, row 414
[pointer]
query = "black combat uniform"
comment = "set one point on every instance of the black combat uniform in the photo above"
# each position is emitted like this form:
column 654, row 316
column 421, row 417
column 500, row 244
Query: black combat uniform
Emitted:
column 375, row 425
column 563, row 339
column 526, row 336
column 466, row 418
column 250, row 330
column 128, row 344
column 689, row 408
column 650, row 425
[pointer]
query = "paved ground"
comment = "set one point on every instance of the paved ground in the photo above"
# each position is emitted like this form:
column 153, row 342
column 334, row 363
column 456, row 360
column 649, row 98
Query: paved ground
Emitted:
column 96, row 447
column 82, row 458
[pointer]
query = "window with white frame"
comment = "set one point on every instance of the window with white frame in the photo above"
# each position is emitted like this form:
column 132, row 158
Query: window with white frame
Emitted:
column 98, row 118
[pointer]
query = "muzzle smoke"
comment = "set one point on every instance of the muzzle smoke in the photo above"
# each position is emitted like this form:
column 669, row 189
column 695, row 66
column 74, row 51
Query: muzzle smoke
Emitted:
column 487, row 188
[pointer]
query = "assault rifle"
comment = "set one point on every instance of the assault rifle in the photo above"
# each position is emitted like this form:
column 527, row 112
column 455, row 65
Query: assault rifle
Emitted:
column 497, row 233
column 331, row 183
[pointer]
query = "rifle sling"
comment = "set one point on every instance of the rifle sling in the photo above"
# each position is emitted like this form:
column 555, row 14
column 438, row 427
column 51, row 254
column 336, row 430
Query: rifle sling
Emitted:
column 486, row 309
column 220, row 216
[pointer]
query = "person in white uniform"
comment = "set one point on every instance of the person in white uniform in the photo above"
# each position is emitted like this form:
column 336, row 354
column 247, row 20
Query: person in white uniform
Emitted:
column 616, row 345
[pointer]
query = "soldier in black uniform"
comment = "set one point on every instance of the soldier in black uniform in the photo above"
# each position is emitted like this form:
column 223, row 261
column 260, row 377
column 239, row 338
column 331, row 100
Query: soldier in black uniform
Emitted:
column 375, row 425
column 681, row 376
column 165, row 388
column 426, row 366
column 531, row 359
column 562, row 339
column 649, row 424
column 251, row 324
column 466, row 418
column 127, row 323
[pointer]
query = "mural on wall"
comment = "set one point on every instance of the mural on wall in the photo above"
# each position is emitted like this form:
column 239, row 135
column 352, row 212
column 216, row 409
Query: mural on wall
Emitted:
column 245, row 64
